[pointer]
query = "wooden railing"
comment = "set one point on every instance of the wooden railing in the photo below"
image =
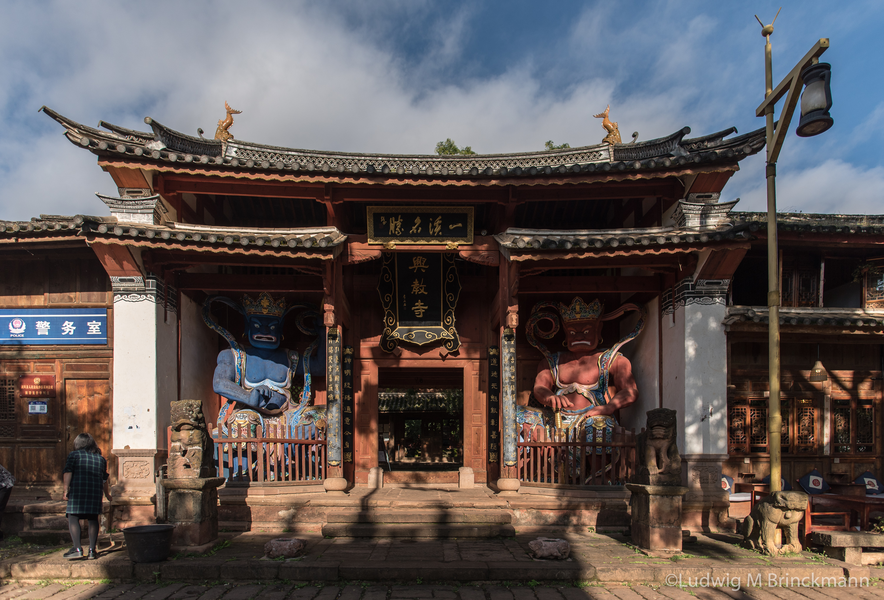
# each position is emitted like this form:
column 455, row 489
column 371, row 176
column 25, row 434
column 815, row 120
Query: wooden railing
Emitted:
column 578, row 463
column 271, row 456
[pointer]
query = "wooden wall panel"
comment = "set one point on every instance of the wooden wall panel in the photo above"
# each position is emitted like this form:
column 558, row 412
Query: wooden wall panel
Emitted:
column 7, row 458
column 94, row 284
column 22, row 283
column 37, row 463
column 61, row 281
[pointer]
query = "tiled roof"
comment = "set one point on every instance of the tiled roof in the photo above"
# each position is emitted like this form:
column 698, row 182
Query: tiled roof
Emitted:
column 539, row 239
column 836, row 317
column 813, row 223
column 166, row 146
column 694, row 223
column 306, row 241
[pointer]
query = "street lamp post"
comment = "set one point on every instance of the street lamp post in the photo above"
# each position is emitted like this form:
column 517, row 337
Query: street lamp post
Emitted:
column 815, row 119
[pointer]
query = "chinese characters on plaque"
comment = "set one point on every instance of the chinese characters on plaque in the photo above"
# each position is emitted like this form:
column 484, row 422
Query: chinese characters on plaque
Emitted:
column 347, row 404
column 53, row 326
column 420, row 225
column 493, row 404
column 333, row 397
column 419, row 292
column 508, row 398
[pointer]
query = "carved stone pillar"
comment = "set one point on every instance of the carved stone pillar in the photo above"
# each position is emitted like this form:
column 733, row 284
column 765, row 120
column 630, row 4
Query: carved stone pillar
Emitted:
column 337, row 483
column 508, row 482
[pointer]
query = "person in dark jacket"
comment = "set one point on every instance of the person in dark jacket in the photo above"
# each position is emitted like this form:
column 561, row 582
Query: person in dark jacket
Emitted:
column 6, row 483
column 85, row 478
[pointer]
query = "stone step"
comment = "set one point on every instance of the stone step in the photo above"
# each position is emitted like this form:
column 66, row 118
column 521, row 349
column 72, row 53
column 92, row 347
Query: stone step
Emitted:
column 417, row 530
column 49, row 522
column 442, row 516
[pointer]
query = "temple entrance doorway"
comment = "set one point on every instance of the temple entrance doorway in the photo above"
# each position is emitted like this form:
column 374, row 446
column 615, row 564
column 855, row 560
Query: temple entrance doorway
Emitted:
column 420, row 419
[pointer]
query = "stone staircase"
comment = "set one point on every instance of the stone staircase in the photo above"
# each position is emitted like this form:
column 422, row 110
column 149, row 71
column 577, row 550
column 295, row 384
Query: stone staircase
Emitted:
column 43, row 521
column 433, row 523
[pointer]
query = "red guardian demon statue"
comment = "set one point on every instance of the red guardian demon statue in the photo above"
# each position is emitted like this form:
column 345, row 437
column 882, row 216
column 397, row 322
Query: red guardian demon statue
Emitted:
column 579, row 389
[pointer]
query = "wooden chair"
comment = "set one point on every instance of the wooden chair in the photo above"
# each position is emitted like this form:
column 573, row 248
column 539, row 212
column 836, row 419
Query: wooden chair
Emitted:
column 822, row 520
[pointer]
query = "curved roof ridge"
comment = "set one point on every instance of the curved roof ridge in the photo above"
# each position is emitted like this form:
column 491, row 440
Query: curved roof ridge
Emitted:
column 166, row 146
column 133, row 134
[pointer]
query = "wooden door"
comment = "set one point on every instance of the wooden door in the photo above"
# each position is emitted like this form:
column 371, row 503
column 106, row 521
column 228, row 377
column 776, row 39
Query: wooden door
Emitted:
column 87, row 404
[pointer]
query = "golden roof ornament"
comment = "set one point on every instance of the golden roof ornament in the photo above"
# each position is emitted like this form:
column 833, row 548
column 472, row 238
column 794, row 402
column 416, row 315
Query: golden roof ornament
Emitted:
column 613, row 136
column 224, row 124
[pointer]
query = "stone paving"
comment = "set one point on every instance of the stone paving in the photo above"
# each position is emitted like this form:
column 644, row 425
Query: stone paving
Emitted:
column 419, row 591
column 595, row 557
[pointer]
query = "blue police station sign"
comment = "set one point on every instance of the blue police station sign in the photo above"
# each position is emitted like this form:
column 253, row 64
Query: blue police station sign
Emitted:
column 53, row 326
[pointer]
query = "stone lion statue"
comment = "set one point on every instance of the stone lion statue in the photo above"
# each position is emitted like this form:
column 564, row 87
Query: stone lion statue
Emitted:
column 781, row 510
column 658, row 457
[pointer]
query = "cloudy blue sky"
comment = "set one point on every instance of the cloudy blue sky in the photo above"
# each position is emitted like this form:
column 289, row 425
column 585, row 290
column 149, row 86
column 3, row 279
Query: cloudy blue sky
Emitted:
column 398, row 76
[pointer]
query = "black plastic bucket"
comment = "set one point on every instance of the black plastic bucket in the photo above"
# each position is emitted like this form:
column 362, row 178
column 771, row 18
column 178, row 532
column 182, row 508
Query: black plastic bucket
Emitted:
column 149, row 543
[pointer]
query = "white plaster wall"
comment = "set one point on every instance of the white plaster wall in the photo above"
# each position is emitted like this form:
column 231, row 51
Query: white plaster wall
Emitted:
column 644, row 353
column 135, row 382
column 199, row 356
column 145, row 373
column 673, row 380
column 705, row 379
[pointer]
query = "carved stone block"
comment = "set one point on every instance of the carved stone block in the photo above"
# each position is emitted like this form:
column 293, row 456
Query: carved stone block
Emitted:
column 284, row 548
column 550, row 548
column 191, row 448
column 659, row 462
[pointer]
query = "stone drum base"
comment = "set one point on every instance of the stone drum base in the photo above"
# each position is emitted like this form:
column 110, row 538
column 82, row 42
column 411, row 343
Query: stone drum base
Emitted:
column 656, row 516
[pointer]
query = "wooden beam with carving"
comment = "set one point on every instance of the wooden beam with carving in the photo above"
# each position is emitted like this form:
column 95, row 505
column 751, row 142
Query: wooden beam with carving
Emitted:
column 590, row 285
column 342, row 307
column 507, row 294
column 116, row 260
column 173, row 183
column 483, row 251
column 721, row 264
column 180, row 259
column 128, row 178
column 329, row 295
column 276, row 284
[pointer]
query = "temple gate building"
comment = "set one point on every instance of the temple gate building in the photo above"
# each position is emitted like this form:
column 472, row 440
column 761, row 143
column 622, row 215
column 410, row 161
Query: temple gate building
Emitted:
column 423, row 272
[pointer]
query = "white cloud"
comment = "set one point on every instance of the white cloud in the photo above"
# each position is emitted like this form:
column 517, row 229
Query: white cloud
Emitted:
column 833, row 186
column 339, row 77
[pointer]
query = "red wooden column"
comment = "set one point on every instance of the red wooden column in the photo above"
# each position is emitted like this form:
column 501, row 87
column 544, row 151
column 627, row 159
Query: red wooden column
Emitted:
column 475, row 423
column 366, row 400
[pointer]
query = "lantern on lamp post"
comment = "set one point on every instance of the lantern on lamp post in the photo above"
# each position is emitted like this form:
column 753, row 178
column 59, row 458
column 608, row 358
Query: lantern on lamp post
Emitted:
column 815, row 104
column 816, row 100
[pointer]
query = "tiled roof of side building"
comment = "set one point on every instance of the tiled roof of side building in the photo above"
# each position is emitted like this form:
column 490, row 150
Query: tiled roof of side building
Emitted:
column 813, row 223
column 165, row 145
column 869, row 318
column 315, row 241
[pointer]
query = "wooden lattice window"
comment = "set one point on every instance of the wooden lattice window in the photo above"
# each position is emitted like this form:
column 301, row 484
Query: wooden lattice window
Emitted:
column 801, row 284
column 7, row 408
column 853, row 426
column 747, row 426
column 874, row 290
